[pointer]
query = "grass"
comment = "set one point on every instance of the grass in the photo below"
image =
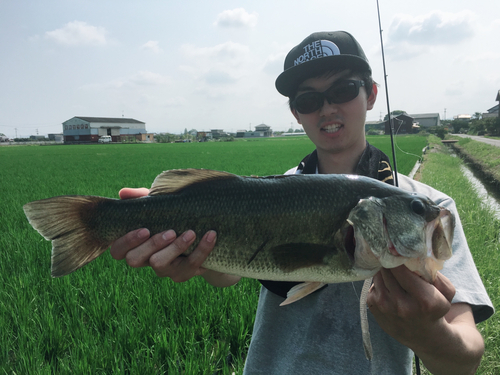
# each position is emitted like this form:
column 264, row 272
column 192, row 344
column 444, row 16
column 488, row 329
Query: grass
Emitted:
column 482, row 230
column 486, row 155
column 109, row 318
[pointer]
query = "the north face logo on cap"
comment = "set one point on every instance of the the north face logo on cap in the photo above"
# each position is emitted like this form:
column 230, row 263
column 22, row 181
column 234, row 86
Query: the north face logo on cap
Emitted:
column 316, row 50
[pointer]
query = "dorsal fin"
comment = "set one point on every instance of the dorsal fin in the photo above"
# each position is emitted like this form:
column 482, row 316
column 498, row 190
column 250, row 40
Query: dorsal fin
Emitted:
column 177, row 179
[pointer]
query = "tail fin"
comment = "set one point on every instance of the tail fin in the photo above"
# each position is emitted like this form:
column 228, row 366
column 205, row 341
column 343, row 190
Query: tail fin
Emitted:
column 65, row 221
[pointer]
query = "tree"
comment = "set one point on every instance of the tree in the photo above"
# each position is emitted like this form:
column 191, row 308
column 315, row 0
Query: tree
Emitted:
column 492, row 125
column 476, row 116
column 458, row 125
column 441, row 132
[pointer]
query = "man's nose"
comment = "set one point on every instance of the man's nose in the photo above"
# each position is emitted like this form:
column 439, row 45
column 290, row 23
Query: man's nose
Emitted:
column 328, row 108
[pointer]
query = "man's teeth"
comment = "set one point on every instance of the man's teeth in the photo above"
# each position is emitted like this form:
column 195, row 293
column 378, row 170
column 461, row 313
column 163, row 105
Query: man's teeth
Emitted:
column 332, row 128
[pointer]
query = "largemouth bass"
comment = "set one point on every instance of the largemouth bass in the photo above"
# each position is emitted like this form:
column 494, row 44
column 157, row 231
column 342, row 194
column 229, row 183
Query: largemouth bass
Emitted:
column 307, row 228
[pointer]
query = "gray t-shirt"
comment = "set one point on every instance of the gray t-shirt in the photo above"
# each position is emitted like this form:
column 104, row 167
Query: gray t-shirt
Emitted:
column 321, row 333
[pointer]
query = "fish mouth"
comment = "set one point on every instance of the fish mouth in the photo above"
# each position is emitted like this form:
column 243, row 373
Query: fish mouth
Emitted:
column 370, row 252
column 439, row 239
column 349, row 241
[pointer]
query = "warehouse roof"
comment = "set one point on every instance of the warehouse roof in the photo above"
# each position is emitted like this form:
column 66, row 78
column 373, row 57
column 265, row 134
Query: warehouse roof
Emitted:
column 117, row 120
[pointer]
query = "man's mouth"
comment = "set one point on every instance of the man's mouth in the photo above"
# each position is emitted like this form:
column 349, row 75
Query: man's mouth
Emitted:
column 332, row 128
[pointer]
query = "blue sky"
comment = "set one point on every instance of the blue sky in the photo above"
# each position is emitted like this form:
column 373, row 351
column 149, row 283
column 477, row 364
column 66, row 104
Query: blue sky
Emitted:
column 212, row 64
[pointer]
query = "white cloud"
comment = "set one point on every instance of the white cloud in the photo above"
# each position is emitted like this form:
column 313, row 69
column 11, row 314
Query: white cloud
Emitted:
column 218, row 77
column 78, row 32
column 149, row 78
column 152, row 45
column 226, row 51
column 436, row 27
column 140, row 79
column 274, row 64
column 218, row 65
column 238, row 18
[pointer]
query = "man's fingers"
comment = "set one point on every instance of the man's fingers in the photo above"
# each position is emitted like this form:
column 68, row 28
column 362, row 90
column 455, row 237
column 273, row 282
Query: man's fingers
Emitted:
column 203, row 249
column 167, row 262
column 123, row 245
column 391, row 281
column 139, row 256
column 445, row 286
column 161, row 261
column 129, row 193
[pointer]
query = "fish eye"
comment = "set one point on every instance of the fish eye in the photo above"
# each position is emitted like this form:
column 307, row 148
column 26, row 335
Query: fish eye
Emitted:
column 417, row 206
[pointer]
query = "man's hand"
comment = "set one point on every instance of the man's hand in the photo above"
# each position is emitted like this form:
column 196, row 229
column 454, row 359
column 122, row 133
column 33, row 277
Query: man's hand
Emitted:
column 162, row 252
column 421, row 316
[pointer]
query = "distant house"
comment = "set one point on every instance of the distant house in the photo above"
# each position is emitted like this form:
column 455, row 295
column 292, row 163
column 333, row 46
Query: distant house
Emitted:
column 261, row 130
column 426, row 120
column 203, row 136
column 240, row 133
column 264, row 129
column 462, row 117
column 218, row 133
column 90, row 129
column 56, row 137
column 493, row 111
column 403, row 124
column 377, row 126
column 37, row 137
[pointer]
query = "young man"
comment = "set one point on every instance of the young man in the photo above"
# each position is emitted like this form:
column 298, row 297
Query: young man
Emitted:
column 328, row 81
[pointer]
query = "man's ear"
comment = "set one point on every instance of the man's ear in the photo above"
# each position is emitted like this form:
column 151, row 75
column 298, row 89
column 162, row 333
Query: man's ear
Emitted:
column 296, row 115
column 372, row 98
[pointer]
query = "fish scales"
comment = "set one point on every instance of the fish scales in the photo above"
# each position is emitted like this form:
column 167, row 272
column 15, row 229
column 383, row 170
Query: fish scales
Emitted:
column 247, row 214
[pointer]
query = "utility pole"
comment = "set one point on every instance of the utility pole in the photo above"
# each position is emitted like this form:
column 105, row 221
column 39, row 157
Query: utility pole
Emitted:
column 445, row 113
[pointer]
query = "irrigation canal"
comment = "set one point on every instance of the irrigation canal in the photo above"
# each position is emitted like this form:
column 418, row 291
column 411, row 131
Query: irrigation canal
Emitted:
column 482, row 191
column 486, row 191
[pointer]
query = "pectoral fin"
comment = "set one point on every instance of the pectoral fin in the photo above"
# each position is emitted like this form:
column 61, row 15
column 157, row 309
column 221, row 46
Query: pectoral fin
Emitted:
column 300, row 291
column 293, row 256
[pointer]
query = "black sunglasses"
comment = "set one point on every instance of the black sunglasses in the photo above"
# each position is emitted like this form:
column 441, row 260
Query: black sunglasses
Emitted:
column 340, row 92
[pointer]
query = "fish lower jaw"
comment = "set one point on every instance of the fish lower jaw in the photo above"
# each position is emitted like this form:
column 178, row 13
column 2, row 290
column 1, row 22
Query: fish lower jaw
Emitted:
column 427, row 267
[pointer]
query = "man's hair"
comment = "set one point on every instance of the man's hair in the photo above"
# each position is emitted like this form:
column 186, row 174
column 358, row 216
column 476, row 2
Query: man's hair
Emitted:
column 364, row 75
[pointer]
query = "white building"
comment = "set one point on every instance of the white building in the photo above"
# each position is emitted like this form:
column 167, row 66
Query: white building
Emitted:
column 89, row 129
column 426, row 120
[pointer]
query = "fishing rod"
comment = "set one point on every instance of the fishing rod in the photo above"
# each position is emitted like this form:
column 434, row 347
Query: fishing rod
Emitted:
column 391, row 128
column 391, row 122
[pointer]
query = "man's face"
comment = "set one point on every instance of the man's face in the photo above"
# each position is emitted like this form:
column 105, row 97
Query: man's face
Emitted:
column 336, row 128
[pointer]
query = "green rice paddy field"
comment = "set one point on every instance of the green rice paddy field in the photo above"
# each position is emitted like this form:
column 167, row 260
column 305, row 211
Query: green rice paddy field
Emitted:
column 109, row 318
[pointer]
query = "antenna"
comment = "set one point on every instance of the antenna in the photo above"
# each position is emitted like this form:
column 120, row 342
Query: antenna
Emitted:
column 391, row 123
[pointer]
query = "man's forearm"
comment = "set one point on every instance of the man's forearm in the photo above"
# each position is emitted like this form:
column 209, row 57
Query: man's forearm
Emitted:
column 457, row 349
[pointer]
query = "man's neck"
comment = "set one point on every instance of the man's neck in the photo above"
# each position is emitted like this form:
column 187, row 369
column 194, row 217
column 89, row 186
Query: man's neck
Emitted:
column 339, row 163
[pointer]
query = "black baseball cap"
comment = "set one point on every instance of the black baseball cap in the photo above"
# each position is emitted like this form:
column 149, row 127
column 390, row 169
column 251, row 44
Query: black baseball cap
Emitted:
column 318, row 53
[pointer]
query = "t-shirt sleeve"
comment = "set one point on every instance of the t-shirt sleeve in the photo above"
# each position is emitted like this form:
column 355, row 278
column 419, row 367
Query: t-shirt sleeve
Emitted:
column 460, row 268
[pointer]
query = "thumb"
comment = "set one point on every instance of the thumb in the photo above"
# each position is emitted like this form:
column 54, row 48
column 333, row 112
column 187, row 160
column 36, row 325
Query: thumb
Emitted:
column 444, row 285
